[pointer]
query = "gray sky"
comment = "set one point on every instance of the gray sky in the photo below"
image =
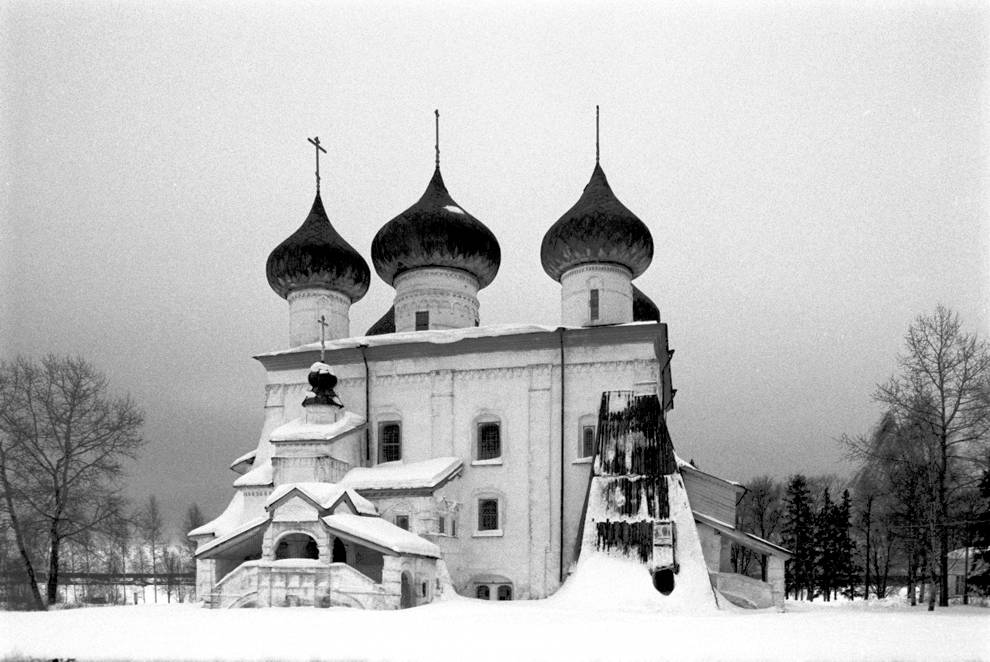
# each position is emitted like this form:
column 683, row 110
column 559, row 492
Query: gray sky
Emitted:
column 814, row 177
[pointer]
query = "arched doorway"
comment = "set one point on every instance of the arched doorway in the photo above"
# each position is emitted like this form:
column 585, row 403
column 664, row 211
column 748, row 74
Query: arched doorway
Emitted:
column 297, row 546
column 339, row 552
column 406, row 600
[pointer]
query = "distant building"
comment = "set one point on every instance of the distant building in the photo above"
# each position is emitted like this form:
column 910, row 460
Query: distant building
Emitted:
column 433, row 453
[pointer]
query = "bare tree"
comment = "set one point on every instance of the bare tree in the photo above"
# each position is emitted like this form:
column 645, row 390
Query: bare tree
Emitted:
column 63, row 439
column 760, row 512
column 943, row 392
column 151, row 527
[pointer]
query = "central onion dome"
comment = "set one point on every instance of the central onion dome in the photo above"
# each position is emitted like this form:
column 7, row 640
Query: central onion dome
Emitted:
column 597, row 229
column 316, row 256
column 436, row 232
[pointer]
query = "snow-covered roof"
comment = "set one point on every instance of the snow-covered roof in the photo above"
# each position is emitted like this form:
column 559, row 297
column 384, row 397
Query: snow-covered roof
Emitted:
column 299, row 430
column 743, row 538
column 682, row 464
column 382, row 533
column 436, row 336
column 259, row 476
column 402, row 475
column 233, row 533
column 233, row 515
column 247, row 457
column 325, row 495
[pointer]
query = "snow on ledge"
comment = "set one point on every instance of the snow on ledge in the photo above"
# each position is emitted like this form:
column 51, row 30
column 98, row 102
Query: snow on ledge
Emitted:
column 439, row 337
column 299, row 430
column 402, row 475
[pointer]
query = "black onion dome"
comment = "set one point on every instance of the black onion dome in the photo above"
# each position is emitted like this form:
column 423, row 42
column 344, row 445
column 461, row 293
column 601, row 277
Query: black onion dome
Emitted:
column 315, row 255
column 644, row 310
column 436, row 232
column 386, row 324
column 598, row 228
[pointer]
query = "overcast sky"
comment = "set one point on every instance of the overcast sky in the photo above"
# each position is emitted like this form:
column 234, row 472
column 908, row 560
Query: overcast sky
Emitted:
column 814, row 178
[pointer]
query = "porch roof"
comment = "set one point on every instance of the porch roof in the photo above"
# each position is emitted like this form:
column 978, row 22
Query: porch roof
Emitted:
column 747, row 540
column 380, row 534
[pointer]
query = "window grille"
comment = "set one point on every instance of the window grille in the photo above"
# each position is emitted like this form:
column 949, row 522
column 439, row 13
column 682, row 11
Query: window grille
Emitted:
column 487, row 514
column 593, row 304
column 489, row 441
column 390, row 442
column 402, row 521
column 587, row 441
column 504, row 592
column 483, row 592
column 422, row 320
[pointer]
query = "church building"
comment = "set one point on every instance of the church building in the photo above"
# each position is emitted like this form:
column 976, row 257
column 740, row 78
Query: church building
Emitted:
column 436, row 453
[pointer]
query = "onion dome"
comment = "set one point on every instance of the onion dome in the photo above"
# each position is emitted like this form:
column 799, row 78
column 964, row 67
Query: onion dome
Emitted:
column 322, row 381
column 644, row 310
column 436, row 232
column 598, row 228
column 384, row 325
column 315, row 255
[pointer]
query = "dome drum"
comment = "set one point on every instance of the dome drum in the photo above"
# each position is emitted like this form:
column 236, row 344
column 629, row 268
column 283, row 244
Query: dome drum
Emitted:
column 595, row 294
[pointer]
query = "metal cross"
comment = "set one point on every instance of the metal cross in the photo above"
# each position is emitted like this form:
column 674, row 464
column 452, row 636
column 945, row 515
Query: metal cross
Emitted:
column 323, row 336
column 436, row 144
column 316, row 143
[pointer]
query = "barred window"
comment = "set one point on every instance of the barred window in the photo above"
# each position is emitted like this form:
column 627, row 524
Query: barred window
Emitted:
column 482, row 592
column 402, row 521
column 389, row 442
column 587, row 441
column 489, row 441
column 593, row 304
column 488, row 514
column 504, row 592
column 422, row 320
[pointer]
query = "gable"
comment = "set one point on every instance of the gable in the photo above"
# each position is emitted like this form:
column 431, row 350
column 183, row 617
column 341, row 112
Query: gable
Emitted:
column 295, row 509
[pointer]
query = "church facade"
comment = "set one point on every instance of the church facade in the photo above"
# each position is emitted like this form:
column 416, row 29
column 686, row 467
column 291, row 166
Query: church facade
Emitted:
column 434, row 453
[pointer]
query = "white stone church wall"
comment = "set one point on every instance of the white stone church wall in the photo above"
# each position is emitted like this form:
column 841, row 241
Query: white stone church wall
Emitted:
column 439, row 402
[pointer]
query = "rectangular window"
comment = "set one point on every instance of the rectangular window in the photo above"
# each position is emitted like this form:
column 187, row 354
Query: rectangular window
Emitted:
column 442, row 524
column 593, row 304
column 488, row 514
column 402, row 521
column 587, row 441
column 389, row 442
column 422, row 320
column 489, row 441
column 453, row 527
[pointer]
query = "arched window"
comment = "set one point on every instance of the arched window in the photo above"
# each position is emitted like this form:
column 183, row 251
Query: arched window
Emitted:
column 482, row 592
column 389, row 441
column 504, row 592
column 297, row 546
column 489, row 440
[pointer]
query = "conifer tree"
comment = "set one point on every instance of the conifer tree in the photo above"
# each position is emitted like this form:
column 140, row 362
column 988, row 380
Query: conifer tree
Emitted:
column 798, row 536
column 847, row 572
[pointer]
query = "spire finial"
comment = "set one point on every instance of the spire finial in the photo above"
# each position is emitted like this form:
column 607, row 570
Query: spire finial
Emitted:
column 323, row 336
column 596, row 134
column 316, row 143
column 436, row 113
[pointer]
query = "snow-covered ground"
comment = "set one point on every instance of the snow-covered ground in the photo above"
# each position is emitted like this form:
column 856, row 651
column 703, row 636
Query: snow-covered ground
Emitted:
column 465, row 629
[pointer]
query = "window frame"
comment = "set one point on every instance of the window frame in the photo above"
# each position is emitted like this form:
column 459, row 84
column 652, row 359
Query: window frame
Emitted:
column 421, row 320
column 479, row 445
column 402, row 516
column 381, row 440
column 482, row 527
column 594, row 304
